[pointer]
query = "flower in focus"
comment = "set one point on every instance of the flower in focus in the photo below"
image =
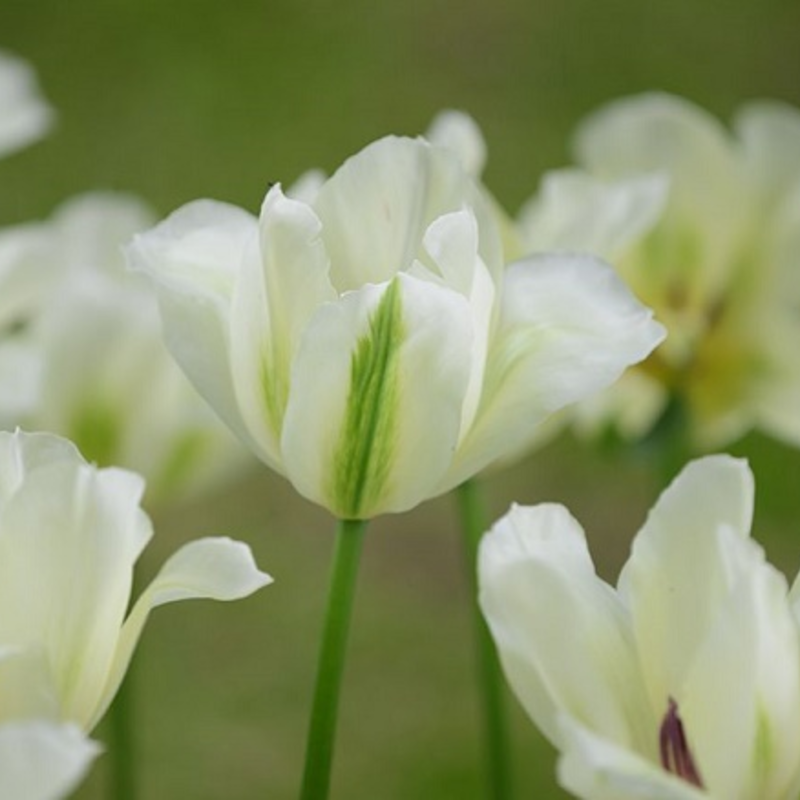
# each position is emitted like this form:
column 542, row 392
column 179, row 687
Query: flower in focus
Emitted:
column 24, row 115
column 684, row 682
column 370, row 343
column 719, row 264
column 70, row 534
column 82, row 353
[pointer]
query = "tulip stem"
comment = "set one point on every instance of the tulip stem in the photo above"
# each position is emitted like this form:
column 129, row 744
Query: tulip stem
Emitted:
column 490, row 680
column 324, row 711
column 122, row 783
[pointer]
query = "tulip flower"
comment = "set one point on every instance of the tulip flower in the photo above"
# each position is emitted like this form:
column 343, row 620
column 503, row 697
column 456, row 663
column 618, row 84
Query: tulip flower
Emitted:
column 681, row 683
column 86, row 358
column 371, row 344
column 24, row 115
column 70, row 534
column 718, row 264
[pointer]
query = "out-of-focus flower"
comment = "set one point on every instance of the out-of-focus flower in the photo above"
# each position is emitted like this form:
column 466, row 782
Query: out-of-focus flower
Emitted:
column 684, row 682
column 719, row 265
column 70, row 534
column 371, row 344
column 24, row 115
column 82, row 353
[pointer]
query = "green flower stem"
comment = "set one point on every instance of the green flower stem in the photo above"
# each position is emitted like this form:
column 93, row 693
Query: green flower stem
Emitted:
column 121, row 750
column 322, row 728
column 495, row 726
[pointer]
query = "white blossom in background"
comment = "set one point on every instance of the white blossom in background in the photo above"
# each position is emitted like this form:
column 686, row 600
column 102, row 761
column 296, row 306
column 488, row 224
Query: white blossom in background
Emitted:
column 719, row 264
column 371, row 344
column 83, row 356
column 684, row 681
column 70, row 534
column 24, row 114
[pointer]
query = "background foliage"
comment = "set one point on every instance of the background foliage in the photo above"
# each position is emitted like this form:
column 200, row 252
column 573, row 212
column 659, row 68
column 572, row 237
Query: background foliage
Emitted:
column 188, row 98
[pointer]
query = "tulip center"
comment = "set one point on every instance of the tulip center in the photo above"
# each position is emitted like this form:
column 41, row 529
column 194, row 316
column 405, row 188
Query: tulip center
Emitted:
column 676, row 757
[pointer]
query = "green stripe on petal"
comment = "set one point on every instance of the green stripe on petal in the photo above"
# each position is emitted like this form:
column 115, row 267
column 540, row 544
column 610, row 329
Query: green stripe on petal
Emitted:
column 363, row 455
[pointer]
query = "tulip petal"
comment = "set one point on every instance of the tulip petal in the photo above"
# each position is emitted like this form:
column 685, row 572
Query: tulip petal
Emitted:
column 750, row 704
column 26, row 685
column 92, row 226
column 697, row 242
column 377, row 206
column 42, row 760
column 575, row 211
column 24, row 115
column 216, row 568
column 377, row 390
column 452, row 243
column 70, row 537
column 26, row 271
column 567, row 328
column 194, row 256
column 537, row 581
column 661, row 133
column 680, row 571
column 20, row 374
column 459, row 133
column 21, row 453
column 594, row 768
column 274, row 298
column 770, row 135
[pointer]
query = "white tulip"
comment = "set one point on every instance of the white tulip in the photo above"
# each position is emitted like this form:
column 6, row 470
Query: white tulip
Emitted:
column 86, row 359
column 684, row 682
column 716, row 257
column 370, row 344
column 70, row 534
column 24, row 115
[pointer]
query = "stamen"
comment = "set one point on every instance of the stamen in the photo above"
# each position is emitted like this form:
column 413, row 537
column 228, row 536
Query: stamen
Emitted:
column 676, row 757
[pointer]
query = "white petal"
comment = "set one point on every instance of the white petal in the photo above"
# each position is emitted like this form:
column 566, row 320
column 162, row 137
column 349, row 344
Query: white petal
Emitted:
column 594, row 768
column 680, row 569
column 660, row 133
column 21, row 453
column 537, row 581
column 70, row 537
column 740, row 704
column 379, row 203
column 92, row 227
column 278, row 291
column 28, row 273
column 42, row 760
column 575, row 211
column 307, row 186
column 705, row 224
column 452, row 242
column 213, row 568
column 568, row 327
column 20, row 374
column 777, row 395
column 376, row 397
column 770, row 135
column 195, row 256
column 24, row 115
column 26, row 685
column 459, row 132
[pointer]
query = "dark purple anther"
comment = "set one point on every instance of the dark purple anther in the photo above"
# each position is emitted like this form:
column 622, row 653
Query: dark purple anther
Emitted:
column 676, row 757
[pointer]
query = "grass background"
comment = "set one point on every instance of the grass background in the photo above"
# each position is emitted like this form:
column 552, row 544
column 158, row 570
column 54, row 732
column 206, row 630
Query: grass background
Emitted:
column 178, row 99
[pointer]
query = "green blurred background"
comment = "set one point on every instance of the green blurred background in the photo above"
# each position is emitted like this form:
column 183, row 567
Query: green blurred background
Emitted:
column 178, row 99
